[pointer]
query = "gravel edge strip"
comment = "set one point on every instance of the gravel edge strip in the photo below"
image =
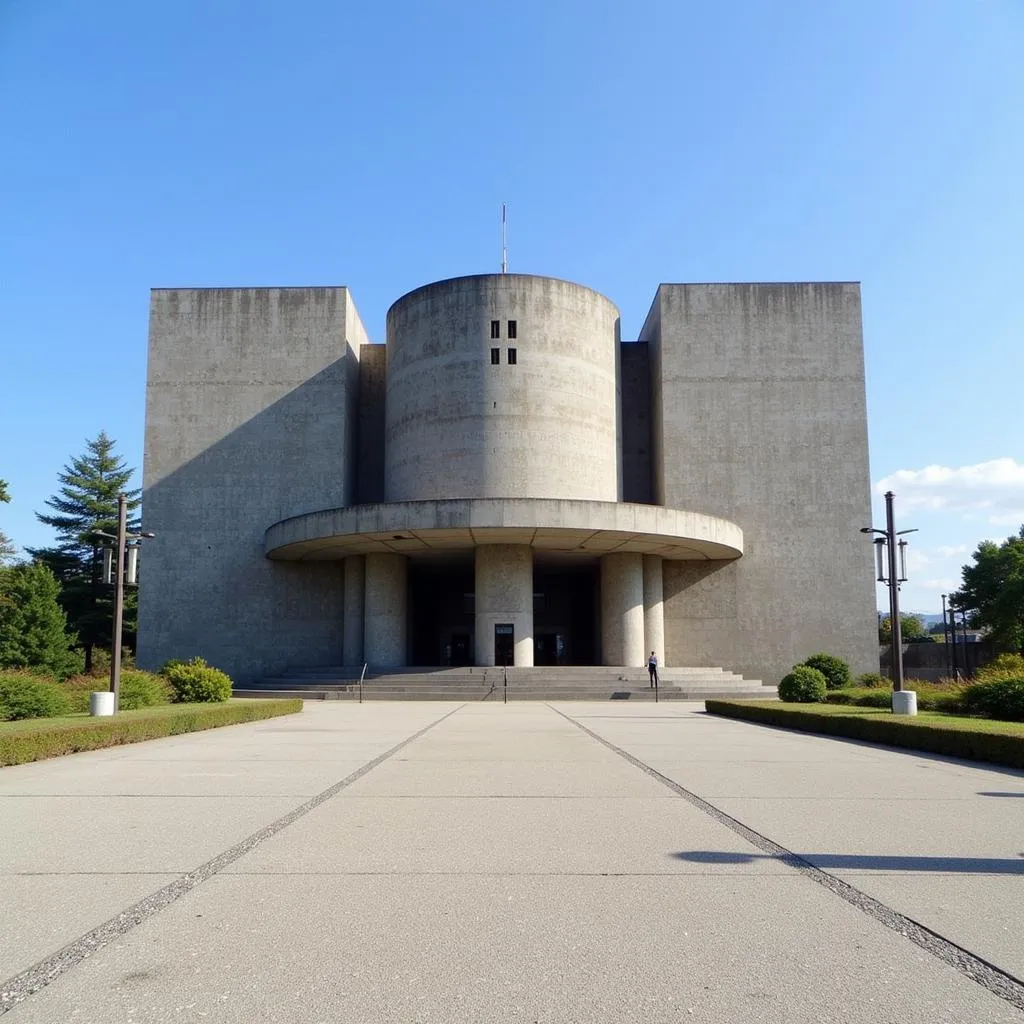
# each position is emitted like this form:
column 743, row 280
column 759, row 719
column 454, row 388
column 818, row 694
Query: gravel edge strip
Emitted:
column 15, row 990
column 997, row 981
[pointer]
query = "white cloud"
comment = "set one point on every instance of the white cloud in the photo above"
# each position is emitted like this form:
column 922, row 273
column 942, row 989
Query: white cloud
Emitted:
column 992, row 490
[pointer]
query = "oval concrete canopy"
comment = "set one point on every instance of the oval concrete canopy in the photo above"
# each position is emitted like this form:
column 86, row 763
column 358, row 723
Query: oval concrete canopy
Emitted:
column 545, row 524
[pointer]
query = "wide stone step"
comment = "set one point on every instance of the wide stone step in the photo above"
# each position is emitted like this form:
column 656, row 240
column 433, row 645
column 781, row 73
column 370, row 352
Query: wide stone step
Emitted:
column 469, row 683
column 496, row 695
column 551, row 687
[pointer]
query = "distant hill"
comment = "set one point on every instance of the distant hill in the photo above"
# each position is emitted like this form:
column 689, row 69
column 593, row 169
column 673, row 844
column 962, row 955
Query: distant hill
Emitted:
column 928, row 618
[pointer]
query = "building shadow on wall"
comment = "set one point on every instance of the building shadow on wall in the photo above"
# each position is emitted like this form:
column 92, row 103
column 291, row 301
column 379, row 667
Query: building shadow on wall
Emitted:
column 208, row 588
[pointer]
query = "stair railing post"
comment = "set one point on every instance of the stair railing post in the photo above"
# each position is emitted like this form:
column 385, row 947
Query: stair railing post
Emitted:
column 361, row 674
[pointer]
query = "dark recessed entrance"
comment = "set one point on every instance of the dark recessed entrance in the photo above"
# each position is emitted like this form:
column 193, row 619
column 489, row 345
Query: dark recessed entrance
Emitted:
column 504, row 643
column 442, row 613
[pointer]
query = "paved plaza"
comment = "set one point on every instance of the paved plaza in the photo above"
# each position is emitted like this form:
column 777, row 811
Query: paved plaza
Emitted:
column 532, row 862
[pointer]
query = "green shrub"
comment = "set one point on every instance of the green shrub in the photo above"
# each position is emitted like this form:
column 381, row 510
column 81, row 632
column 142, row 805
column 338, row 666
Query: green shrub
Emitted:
column 195, row 682
column 873, row 679
column 35, row 741
column 1003, row 666
column 26, row 695
column 996, row 698
column 77, row 690
column 144, row 690
column 804, row 685
column 835, row 670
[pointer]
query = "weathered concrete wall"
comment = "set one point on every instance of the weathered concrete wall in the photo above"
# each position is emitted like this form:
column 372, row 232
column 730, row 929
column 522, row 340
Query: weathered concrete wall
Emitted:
column 458, row 426
column 250, row 418
column 635, row 370
column 759, row 417
column 373, row 378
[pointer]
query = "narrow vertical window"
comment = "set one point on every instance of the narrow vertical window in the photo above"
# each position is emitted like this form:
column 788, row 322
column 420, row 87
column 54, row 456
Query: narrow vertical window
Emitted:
column 511, row 328
column 511, row 357
column 495, row 356
column 495, row 328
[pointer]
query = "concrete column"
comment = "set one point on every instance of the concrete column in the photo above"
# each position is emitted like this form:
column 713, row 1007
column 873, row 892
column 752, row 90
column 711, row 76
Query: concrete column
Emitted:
column 355, row 570
column 504, row 594
column 622, row 610
column 384, row 631
column 654, row 609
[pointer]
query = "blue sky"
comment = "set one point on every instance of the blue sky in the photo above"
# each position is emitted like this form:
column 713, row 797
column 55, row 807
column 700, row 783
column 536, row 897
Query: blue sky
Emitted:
column 231, row 143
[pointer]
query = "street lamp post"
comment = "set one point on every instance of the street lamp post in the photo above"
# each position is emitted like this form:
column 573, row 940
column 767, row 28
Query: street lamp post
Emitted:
column 118, row 572
column 892, row 575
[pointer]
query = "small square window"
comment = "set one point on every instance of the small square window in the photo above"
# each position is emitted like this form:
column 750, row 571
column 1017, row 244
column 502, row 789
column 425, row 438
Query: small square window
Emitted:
column 495, row 328
column 511, row 357
column 511, row 328
column 495, row 356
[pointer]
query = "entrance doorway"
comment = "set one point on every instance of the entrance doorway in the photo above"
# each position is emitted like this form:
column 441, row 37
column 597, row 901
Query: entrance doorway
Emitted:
column 504, row 643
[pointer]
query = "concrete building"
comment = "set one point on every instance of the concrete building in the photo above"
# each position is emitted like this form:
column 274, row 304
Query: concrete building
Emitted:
column 506, row 480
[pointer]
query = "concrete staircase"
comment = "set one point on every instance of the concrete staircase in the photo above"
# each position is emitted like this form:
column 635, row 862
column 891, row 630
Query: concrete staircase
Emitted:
column 539, row 683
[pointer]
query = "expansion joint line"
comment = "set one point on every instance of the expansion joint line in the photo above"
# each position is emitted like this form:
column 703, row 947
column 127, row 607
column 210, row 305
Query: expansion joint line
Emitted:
column 997, row 981
column 30, row 981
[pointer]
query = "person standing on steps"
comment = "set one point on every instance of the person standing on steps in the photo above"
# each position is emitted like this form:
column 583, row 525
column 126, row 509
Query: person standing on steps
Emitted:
column 652, row 669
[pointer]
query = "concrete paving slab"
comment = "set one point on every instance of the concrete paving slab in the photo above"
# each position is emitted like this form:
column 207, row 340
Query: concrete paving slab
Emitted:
column 800, row 779
column 525, row 835
column 864, row 828
column 724, row 949
column 123, row 834
column 52, row 910
column 506, row 865
column 974, row 908
column 226, row 777
column 433, row 777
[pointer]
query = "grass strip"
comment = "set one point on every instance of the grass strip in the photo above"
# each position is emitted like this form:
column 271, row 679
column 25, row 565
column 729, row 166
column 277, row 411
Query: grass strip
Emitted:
column 974, row 739
column 39, row 738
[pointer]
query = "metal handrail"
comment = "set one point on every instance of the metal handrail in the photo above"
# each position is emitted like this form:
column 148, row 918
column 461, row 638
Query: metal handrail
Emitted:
column 505, row 682
column 361, row 674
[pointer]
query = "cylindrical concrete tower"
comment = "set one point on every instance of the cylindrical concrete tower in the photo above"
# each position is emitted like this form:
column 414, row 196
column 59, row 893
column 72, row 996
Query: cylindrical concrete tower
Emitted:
column 502, row 386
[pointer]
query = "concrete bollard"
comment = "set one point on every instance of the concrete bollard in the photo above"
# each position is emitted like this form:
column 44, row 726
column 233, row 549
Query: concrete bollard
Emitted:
column 101, row 703
column 904, row 702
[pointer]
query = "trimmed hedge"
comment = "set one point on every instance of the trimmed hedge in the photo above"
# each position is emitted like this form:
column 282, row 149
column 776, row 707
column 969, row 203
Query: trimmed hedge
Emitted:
column 929, row 697
column 41, row 739
column 935, row 737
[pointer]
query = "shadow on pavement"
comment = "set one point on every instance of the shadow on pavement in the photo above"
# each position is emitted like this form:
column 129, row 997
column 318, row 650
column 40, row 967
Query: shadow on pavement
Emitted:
column 967, row 865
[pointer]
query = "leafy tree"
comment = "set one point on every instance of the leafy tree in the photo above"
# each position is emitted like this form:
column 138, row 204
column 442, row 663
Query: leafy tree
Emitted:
column 33, row 628
column 85, row 503
column 911, row 628
column 993, row 590
column 7, row 548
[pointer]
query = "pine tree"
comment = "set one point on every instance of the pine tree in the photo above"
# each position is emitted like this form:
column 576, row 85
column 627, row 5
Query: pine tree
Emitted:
column 33, row 628
column 7, row 548
column 85, row 503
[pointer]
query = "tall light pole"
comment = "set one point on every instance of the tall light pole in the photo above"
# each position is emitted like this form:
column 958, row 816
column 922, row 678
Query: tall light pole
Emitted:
column 118, row 567
column 892, row 577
